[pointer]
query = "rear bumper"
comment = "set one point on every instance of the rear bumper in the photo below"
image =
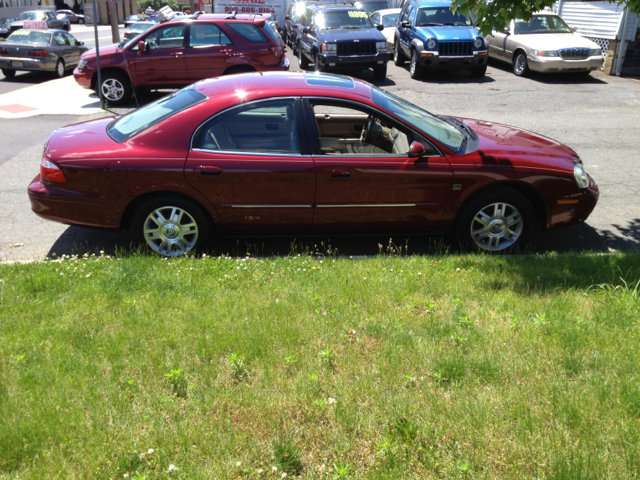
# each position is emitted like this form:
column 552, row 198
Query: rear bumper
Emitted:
column 31, row 64
column 434, row 61
column 74, row 208
column 354, row 61
column 569, row 210
column 557, row 64
column 281, row 67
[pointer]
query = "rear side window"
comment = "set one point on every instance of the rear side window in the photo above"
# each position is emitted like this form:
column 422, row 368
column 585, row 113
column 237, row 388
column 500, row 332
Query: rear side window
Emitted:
column 273, row 35
column 248, row 31
column 207, row 35
column 135, row 122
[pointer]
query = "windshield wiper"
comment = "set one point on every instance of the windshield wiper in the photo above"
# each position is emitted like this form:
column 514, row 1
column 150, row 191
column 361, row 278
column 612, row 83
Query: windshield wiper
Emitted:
column 432, row 25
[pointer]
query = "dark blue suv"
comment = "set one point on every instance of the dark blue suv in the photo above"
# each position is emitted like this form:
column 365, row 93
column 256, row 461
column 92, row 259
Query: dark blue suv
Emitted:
column 434, row 37
column 340, row 37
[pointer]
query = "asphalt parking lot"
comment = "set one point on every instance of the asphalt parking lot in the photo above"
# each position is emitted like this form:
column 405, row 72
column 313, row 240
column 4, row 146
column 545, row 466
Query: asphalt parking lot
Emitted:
column 596, row 115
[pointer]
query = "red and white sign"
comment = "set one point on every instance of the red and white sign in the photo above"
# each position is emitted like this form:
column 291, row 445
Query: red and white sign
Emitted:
column 35, row 24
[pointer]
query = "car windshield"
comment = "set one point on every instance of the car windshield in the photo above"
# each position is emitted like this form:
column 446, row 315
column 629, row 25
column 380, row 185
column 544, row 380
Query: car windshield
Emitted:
column 141, row 26
column 390, row 20
column 132, row 17
column 28, row 16
column 541, row 24
column 29, row 36
column 4, row 21
column 129, row 125
column 419, row 119
column 437, row 16
column 337, row 19
column 372, row 6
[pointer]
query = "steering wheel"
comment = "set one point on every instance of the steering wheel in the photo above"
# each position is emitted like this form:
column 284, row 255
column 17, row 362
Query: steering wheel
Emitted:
column 367, row 132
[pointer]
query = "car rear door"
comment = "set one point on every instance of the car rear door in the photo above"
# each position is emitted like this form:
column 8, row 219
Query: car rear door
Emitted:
column 163, row 62
column 253, row 165
column 208, row 51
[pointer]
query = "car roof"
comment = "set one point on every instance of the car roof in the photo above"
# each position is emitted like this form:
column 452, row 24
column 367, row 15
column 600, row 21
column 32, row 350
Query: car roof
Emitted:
column 257, row 85
column 244, row 17
column 433, row 3
column 387, row 11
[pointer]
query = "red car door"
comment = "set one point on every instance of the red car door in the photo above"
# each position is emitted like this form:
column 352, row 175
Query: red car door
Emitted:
column 367, row 181
column 163, row 61
column 208, row 51
column 248, row 163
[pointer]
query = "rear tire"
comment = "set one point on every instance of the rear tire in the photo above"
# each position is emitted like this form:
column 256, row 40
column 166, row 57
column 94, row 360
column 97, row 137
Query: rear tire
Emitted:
column 302, row 60
column 398, row 56
column 171, row 226
column 380, row 73
column 8, row 73
column 81, row 21
column 116, row 88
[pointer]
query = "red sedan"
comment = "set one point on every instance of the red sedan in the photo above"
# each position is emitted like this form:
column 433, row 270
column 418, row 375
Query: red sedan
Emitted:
column 302, row 152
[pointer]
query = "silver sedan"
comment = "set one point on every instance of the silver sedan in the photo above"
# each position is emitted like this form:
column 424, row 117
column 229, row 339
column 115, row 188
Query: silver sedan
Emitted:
column 544, row 44
column 40, row 50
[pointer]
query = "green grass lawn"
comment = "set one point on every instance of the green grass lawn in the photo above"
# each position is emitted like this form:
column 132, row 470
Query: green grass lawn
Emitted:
column 387, row 367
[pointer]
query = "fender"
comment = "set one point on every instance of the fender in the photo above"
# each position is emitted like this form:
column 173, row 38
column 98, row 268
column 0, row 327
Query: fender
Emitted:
column 418, row 44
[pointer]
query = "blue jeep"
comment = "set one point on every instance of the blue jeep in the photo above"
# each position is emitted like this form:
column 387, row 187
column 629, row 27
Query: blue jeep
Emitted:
column 433, row 37
column 339, row 37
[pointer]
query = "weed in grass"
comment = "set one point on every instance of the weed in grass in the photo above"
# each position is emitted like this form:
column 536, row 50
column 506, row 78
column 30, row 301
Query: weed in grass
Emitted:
column 287, row 457
column 328, row 357
column 406, row 429
column 238, row 368
column 341, row 469
column 464, row 321
column 178, row 383
column 573, row 364
column 450, row 370
column 515, row 321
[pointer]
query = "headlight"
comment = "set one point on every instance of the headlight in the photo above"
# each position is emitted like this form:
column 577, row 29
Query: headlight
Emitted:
column 595, row 51
column 381, row 46
column 545, row 53
column 478, row 43
column 582, row 180
column 82, row 64
column 330, row 48
column 431, row 44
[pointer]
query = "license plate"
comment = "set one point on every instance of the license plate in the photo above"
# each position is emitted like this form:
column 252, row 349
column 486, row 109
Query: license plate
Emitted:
column 17, row 64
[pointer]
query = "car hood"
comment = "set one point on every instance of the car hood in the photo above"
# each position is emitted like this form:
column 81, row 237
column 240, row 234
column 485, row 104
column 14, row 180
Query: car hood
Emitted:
column 342, row 36
column 521, row 147
column 90, row 140
column 448, row 33
column 104, row 51
column 554, row 41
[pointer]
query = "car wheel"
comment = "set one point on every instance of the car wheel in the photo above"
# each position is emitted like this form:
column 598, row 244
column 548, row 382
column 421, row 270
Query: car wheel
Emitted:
column 294, row 48
column 398, row 57
column 415, row 69
column 520, row 66
column 59, row 72
column 8, row 73
column 302, row 60
column 478, row 72
column 495, row 222
column 317, row 66
column 380, row 73
column 170, row 226
column 81, row 21
column 116, row 88
column 67, row 28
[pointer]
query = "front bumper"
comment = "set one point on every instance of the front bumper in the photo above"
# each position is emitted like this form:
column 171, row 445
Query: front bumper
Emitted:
column 354, row 61
column 433, row 60
column 83, row 78
column 557, row 64
column 33, row 64
column 571, row 209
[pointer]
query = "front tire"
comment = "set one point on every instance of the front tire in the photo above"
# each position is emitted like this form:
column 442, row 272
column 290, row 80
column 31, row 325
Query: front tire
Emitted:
column 81, row 21
column 316, row 64
column 8, row 73
column 60, row 69
column 171, row 226
column 398, row 56
column 478, row 72
column 380, row 73
column 116, row 88
column 495, row 222
column 415, row 69
column 520, row 65
column 302, row 60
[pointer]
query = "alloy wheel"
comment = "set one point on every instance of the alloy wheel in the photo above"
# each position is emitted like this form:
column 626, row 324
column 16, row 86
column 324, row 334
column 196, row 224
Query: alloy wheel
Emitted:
column 170, row 231
column 520, row 64
column 496, row 226
column 112, row 90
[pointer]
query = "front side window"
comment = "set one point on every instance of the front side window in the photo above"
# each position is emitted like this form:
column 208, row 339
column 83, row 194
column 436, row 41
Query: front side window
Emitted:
column 60, row 40
column 441, row 16
column 207, row 35
column 171, row 36
column 139, row 120
column 542, row 24
column 248, row 30
column 269, row 128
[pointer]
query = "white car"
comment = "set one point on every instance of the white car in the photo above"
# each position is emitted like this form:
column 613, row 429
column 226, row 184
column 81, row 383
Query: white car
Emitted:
column 544, row 44
column 387, row 18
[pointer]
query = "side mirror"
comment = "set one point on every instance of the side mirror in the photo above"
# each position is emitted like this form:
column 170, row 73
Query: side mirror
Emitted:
column 507, row 29
column 380, row 27
column 79, row 43
column 140, row 47
column 417, row 150
column 574, row 29
column 406, row 24
column 306, row 30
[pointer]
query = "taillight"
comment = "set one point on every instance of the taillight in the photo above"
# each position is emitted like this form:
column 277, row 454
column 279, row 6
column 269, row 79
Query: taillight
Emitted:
column 50, row 172
column 38, row 53
column 277, row 51
column 3, row 51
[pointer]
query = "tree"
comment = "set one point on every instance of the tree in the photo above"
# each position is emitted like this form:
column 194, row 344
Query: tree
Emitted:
column 157, row 4
column 498, row 13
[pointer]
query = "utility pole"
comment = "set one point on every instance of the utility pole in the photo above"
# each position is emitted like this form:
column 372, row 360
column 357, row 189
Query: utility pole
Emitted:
column 113, row 13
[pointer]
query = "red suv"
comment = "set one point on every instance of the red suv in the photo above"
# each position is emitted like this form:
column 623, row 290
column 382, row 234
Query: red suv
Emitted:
column 180, row 52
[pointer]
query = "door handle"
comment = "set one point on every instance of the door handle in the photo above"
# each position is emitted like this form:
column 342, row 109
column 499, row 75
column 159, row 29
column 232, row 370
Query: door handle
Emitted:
column 176, row 54
column 227, row 50
column 208, row 171
column 338, row 174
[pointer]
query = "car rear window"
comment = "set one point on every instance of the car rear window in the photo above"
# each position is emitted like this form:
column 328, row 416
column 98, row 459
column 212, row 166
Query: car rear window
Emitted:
column 273, row 35
column 248, row 31
column 135, row 122
column 26, row 36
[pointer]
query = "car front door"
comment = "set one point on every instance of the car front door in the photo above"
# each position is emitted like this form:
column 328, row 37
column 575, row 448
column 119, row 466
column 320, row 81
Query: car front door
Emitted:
column 65, row 49
column 74, row 52
column 163, row 61
column 406, row 33
column 208, row 52
column 366, row 179
column 252, row 164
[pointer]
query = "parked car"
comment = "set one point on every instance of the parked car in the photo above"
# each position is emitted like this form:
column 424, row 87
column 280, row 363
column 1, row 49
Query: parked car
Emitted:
column 131, row 19
column 48, row 16
column 544, row 44
column 72, row 16
column 433, row 37
column 339, row 37
column 266, row 153
column 136, row 29
column 153, row 18
column 4, row 26
column 180, row 52
column 388, row 19
column 291, row 20
column 371, row 6
column 40, row 50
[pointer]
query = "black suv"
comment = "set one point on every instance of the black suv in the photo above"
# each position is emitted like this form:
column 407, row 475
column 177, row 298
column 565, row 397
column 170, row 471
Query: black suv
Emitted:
column 341, row 37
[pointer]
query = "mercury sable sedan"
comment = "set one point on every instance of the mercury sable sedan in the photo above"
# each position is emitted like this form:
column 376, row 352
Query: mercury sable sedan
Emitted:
column 292, row 152
column 544, row 44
